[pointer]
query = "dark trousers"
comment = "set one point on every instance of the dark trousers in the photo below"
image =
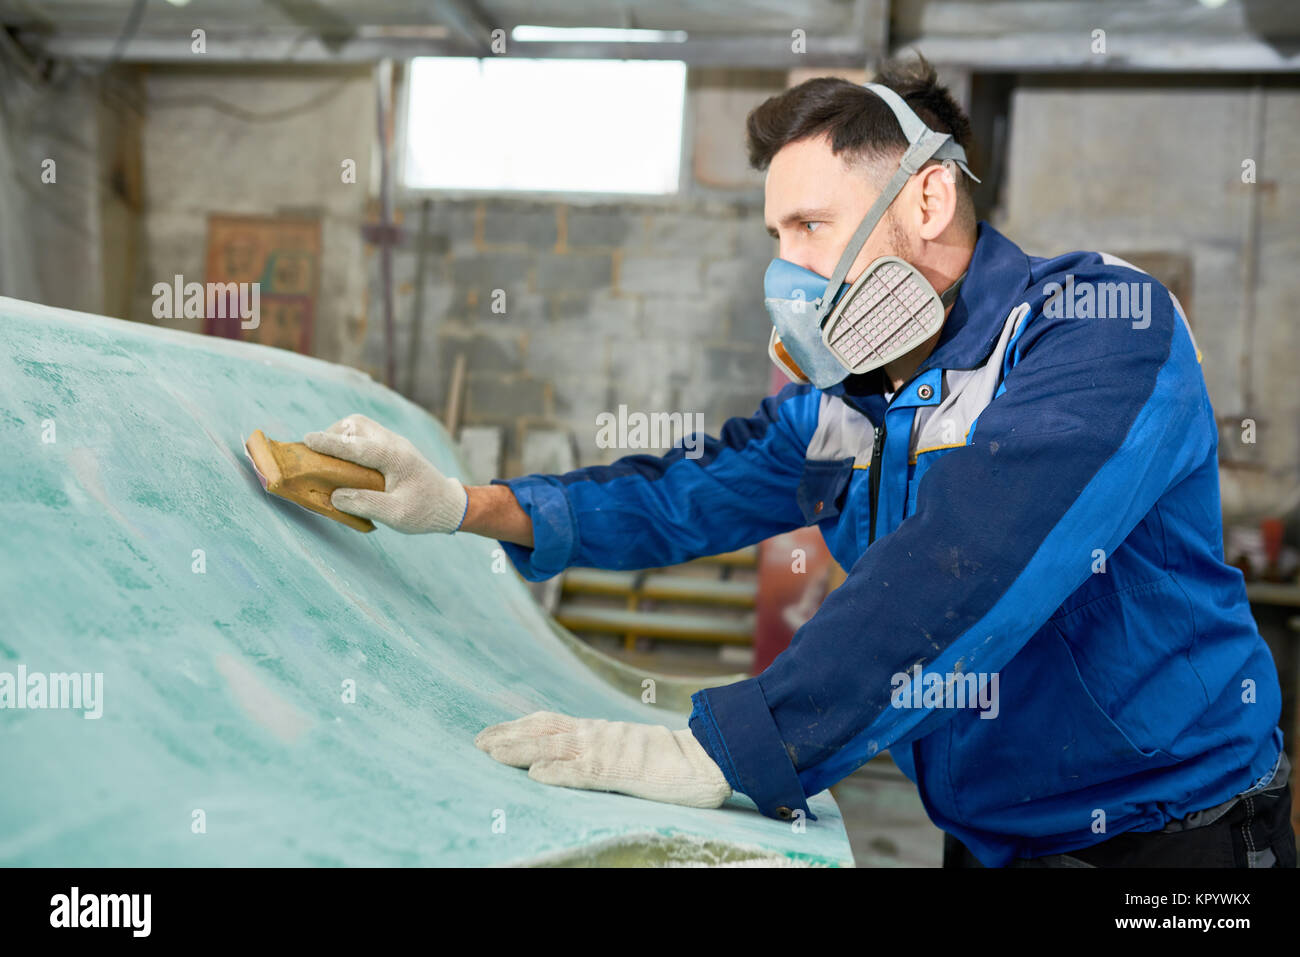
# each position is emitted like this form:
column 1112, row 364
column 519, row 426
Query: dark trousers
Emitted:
column 1255, row 832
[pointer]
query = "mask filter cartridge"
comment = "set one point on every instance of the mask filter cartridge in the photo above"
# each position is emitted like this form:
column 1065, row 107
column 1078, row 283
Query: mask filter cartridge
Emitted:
column 889, row 311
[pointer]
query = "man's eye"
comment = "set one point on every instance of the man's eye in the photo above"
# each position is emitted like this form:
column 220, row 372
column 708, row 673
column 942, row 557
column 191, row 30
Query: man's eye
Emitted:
column 811, row 224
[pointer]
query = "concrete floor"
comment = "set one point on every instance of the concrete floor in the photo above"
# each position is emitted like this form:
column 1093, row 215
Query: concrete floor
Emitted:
column 887, row 823
column 687, row 660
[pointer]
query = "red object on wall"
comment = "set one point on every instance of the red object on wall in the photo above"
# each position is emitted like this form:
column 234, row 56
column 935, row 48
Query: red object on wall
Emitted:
column 281, row 255
column 793, row 578
column 1272, row 530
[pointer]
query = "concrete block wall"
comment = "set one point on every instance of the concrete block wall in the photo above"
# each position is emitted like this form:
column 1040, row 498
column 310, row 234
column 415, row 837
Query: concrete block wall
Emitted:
column 259, row 142
column 1152, row 169
column 564, row 312
column 652, row 303
column 51, row 187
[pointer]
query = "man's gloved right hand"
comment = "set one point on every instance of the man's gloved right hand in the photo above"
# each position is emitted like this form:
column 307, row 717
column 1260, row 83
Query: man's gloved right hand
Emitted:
column 416, row 497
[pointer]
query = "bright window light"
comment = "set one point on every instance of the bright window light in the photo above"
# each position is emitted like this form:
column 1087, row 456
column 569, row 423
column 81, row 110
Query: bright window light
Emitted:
column 528, row 34
column 608, row 126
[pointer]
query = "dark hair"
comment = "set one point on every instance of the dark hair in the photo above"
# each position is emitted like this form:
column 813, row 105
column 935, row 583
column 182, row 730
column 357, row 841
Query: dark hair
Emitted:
column 856, row 120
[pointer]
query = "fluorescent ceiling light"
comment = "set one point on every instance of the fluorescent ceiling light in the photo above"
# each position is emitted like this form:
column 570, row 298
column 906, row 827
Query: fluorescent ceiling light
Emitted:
column 525, row 34
column 411, row 32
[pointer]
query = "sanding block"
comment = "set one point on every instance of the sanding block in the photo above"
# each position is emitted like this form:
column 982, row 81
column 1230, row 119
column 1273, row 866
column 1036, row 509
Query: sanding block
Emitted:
column 294, row 472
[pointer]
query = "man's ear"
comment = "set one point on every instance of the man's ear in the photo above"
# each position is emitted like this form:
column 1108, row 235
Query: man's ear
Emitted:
column 937, row 204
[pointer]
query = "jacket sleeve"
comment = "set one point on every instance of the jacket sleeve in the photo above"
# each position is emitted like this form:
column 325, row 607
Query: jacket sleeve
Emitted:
column 646, row 511
column 1097, row 418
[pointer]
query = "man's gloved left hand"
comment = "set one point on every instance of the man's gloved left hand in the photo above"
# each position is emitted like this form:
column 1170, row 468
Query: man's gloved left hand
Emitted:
column 643, row 760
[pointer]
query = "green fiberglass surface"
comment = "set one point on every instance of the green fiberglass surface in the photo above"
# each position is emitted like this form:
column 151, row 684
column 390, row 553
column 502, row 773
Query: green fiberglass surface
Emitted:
column 231, row 630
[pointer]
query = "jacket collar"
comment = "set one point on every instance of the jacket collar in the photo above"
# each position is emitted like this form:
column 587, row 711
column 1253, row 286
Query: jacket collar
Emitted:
column 997, row 277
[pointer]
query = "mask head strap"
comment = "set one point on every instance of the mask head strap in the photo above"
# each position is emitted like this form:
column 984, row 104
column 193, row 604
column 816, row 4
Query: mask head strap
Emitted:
column 925, row 144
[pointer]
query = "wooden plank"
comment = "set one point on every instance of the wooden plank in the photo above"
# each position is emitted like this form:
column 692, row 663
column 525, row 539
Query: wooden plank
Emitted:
column 661, row 587
column 1273, row 593
column 742, row 558
column 647, row 624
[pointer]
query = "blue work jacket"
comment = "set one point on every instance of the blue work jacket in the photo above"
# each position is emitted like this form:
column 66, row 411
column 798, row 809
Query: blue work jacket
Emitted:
column 1036, row 510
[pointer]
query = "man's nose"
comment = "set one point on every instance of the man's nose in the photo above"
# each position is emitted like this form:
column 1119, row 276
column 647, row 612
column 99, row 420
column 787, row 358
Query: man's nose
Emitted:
column 789, row 250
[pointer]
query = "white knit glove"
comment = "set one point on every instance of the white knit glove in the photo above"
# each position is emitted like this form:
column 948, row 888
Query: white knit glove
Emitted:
column 643, row 760
column 416, row 497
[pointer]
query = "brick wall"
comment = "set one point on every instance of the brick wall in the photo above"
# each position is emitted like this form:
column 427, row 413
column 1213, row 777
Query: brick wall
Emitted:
column 566, row 311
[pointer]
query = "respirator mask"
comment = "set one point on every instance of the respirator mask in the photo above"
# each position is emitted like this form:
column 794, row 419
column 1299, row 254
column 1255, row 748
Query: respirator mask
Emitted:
column 824, row 330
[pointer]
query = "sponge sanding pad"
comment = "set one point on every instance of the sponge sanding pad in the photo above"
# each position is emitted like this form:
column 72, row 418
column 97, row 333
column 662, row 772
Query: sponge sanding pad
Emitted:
column 294, row 472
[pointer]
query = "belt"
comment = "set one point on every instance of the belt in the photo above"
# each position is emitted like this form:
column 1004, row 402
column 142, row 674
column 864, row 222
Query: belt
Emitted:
column 1273, row 781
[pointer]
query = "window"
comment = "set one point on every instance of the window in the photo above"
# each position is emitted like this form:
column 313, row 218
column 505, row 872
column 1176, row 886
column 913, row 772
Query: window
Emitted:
column 607, row 126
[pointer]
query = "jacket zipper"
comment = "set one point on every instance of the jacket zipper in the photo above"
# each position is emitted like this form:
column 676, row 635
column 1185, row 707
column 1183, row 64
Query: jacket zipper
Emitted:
column 876, row 448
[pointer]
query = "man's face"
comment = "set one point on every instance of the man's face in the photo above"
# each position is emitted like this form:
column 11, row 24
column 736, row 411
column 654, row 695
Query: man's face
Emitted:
column 814, row 202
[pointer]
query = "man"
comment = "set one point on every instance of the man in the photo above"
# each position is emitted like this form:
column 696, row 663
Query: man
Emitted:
column 1015, row 458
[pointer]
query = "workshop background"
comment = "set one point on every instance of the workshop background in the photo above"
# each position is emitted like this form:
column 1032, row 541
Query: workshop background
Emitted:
column 1163, row 132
